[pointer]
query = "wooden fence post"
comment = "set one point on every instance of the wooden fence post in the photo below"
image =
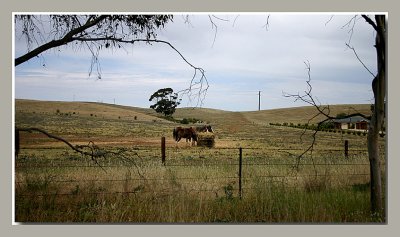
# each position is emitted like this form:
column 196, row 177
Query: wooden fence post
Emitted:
column 346, row 149
column 163, row 150
column 240, row 173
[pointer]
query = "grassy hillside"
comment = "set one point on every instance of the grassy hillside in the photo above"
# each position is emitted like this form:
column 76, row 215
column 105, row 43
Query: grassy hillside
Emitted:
column 86, row 109
column 302, row 114
column 81, row 122
column 213, row 116
column 198, row 184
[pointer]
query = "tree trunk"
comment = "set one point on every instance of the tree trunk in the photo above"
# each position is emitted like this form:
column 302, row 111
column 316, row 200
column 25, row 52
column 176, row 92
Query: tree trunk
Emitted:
column 377, row 119
column 376, row 184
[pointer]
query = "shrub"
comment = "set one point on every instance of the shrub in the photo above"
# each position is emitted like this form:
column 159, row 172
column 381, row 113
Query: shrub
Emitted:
column 189, row 120
column 185, row 121
column 328, row 125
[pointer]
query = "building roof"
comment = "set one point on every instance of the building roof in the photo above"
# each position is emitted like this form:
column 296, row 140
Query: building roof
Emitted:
column 354, row 119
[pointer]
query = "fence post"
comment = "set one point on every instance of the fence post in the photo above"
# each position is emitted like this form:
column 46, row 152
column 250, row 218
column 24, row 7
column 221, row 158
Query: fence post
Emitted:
column 346, row 149
column 163, row 150
column 240, row 172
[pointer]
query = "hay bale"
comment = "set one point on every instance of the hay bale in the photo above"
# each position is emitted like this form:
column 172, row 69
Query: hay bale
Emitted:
column 206, row 139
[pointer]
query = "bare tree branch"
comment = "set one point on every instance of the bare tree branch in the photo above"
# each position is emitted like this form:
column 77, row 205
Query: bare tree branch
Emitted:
column 96, row 32
column 197, row 88
column 234, row 21
column 219, row 18
column 213, row 25
column 369, row 21
column 326, row 23
column 56, row 43
column 91, row 149
column 350, row 24
column 266, row 25
column 355, row 53
column 186, row 20
column 325, row 111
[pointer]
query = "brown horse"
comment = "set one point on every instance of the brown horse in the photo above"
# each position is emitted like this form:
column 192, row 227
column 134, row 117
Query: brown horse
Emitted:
column 188, row 133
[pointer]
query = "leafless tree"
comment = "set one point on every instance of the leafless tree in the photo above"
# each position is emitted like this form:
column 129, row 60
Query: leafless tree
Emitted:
column 378, row 112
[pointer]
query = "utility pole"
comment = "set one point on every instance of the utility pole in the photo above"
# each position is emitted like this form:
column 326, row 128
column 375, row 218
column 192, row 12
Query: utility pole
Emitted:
column 259, row 100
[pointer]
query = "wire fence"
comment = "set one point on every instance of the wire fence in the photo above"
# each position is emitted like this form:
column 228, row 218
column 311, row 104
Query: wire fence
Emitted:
column 239, row 171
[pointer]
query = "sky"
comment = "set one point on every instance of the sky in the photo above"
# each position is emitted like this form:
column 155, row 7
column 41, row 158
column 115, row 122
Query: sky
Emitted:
column 240, row 56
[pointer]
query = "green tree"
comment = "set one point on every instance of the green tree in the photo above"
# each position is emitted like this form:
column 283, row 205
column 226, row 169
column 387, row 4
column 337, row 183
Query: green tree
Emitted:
column 341, row 115
column 166, row 101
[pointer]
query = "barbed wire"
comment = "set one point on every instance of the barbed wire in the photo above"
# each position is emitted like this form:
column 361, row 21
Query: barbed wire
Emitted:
column 192, row 165
column 197, row 163
column 199, row 178
column 152, row 148
column 172, row 190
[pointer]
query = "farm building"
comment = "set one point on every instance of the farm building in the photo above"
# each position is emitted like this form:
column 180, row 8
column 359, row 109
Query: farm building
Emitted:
column 355, row 122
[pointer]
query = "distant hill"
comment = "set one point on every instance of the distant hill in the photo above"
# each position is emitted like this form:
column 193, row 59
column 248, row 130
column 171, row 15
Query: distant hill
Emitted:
column 107, row 111
column 213, row 116
column 303, row 114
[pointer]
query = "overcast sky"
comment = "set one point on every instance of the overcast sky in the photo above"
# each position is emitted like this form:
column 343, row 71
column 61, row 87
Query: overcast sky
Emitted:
column 246, row 57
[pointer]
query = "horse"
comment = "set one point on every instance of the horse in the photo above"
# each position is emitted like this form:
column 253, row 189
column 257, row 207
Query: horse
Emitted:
column 188, row 133
column 205, row 128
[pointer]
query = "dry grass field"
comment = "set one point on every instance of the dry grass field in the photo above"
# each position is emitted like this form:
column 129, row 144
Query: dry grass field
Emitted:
column 129, row 184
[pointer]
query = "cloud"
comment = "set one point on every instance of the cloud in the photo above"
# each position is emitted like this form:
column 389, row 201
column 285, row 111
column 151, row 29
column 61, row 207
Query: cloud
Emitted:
column 244, row 58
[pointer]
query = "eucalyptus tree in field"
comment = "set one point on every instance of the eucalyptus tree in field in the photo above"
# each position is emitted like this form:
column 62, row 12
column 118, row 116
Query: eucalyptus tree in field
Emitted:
column 166, row 101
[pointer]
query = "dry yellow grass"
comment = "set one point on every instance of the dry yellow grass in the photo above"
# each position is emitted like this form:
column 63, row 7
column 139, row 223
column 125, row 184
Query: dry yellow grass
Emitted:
column 198, row 184
column 213, row 116
column 106, row 111
column 302, row 114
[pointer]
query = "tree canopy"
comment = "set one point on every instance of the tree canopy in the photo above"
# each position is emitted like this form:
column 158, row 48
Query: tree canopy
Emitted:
column 166, row 101
column 44, row 32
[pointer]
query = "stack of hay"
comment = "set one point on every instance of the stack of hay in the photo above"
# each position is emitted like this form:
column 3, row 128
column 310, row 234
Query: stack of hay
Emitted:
column 206, row 139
